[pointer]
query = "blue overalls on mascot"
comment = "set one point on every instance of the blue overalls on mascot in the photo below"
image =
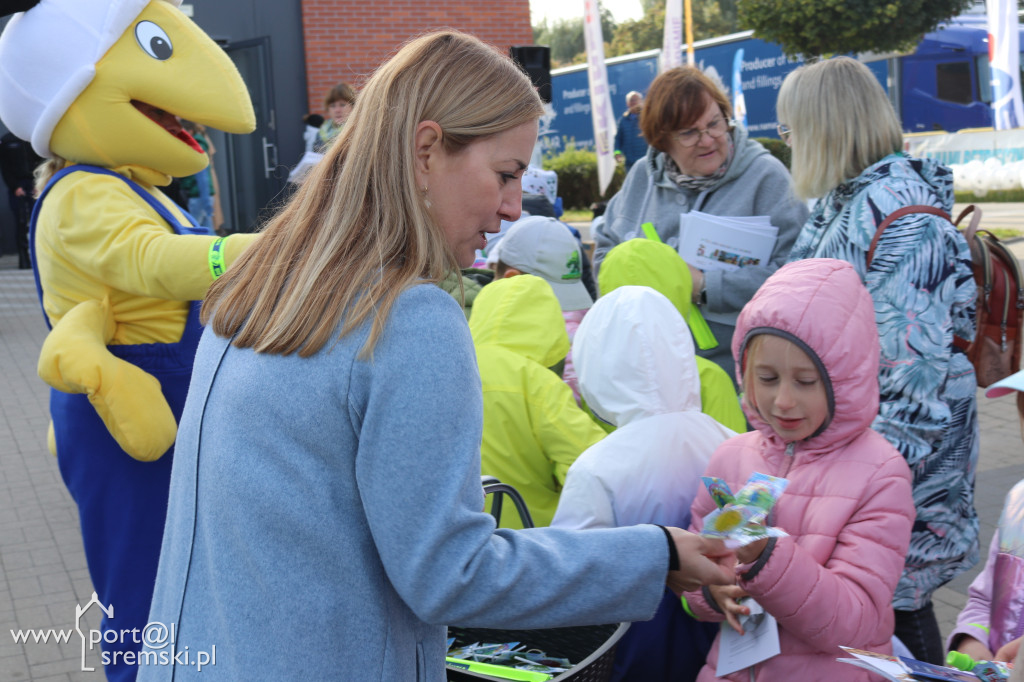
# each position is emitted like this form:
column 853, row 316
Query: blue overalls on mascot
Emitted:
column 95, row 85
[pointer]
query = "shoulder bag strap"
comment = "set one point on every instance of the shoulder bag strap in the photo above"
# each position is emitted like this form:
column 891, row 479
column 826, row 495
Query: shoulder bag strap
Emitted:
column 896, row 215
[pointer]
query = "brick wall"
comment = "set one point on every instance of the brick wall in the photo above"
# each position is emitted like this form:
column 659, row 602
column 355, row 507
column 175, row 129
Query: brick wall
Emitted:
column 347, row 39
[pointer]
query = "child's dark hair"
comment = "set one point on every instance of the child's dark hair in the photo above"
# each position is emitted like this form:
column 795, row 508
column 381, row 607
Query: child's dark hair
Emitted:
column 500, row 269
column 340, row 92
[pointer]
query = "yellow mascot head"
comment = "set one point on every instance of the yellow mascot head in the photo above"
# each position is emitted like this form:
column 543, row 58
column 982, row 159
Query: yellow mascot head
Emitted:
column 102, row 82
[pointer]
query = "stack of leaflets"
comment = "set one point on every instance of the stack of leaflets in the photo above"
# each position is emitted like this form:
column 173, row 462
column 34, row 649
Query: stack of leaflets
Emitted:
column 903, row 669
column 711, row 242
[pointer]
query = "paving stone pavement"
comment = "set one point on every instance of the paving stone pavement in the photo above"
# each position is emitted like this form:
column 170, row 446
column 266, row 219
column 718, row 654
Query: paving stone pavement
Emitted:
column 43, row 575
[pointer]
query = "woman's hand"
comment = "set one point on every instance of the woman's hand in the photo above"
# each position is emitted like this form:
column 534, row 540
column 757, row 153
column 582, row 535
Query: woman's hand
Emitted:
column 976, row 649
column 728, row 599
column 697, row 276
column 702, row 561
column 1008, row 651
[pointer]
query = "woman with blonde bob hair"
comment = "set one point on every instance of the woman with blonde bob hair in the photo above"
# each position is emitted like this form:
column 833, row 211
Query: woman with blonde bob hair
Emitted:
column 325, row 509
column 847, row 150
column 860, row 125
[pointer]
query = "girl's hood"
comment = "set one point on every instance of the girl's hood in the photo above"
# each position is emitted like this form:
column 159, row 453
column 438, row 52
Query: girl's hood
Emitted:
column 823, row 303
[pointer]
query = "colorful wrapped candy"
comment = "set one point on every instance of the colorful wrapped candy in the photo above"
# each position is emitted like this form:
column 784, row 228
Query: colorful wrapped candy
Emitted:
column 740, row 518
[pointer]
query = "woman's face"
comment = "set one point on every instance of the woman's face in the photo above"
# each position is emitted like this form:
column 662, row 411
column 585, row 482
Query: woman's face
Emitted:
column 707, row 156
column 472, row 191
column 339, row 111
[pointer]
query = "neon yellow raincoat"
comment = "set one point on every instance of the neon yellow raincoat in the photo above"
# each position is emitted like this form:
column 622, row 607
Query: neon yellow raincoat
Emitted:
column 533, row 429
column 644, row 262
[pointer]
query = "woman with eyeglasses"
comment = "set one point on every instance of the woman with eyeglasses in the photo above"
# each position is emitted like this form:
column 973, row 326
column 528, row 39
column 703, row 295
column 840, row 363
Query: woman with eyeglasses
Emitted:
column 848, row 150
column 699, row 159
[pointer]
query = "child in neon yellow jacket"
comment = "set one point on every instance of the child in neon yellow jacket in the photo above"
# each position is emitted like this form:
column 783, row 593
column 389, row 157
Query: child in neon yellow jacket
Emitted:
column 533, row 429
column 645, row 262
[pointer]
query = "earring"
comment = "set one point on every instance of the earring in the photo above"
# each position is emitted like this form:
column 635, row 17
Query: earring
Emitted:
column 425, row 199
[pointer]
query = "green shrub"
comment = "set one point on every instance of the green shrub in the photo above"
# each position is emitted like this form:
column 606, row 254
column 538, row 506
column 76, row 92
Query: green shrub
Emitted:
column 577, row 177
column 779, row 149
column 995, row 195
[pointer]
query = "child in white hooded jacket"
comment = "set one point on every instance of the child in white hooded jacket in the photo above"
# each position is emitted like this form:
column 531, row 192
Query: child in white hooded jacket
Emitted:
column 635, row 361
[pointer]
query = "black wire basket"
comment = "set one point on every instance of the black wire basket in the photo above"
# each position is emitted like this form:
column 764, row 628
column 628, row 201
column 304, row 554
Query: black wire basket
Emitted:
column 590, row 647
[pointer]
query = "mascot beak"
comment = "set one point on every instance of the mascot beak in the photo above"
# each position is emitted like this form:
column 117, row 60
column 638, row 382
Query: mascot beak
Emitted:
column 162, row 68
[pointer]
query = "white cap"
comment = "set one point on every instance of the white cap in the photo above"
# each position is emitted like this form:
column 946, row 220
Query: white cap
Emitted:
column 538, row 181
column 48, row 56
column 1014, row 382
column 544, row 247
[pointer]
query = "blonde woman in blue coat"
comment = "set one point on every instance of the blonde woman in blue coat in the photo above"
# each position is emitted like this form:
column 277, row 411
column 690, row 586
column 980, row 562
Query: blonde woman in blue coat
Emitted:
column 325, row 513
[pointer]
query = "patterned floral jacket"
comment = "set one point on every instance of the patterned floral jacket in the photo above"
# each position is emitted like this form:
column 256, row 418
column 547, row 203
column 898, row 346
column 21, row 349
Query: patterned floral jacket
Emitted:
column 924, row 293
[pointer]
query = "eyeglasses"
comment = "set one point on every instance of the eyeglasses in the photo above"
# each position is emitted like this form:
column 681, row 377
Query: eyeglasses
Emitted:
column 784, row 132
column 715, row 129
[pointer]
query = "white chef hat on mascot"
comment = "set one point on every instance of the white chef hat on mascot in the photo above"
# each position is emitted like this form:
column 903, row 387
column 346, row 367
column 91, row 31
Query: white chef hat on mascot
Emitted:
column 48, row 56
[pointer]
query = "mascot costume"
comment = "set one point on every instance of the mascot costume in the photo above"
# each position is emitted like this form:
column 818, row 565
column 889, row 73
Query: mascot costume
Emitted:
column 96, row 86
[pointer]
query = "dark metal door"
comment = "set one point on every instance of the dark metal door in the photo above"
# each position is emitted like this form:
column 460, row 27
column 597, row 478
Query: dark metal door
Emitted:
column 254, row 177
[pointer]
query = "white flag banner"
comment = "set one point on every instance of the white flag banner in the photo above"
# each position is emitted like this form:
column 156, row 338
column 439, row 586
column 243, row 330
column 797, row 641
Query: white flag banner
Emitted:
column 672, row 43
column 600, row 97
column 1004, row 55
column 739, row 103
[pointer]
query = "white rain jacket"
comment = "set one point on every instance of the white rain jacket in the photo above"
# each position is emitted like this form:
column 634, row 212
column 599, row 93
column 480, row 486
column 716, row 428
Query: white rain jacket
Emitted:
column 635, row 360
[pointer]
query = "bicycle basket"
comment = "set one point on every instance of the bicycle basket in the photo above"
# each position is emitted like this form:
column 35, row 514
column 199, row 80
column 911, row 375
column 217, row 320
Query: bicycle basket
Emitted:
column 590, row 647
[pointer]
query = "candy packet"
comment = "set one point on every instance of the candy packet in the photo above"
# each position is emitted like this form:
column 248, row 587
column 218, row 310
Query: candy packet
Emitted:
column 489, row 652
column 740, row 518
column 992, row 671
column 541, row 659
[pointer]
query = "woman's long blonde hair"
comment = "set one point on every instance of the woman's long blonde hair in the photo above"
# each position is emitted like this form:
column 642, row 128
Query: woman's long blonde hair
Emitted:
column 842, row 122
column 357, row 233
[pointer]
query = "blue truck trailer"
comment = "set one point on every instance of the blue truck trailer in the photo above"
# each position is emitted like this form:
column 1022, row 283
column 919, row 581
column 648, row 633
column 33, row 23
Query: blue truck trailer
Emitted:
column 944, row 84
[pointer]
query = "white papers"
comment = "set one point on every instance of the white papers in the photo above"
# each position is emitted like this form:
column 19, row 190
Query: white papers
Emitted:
column 883, row 665
column 759, row 643
column 306, row 163
column 711, row 242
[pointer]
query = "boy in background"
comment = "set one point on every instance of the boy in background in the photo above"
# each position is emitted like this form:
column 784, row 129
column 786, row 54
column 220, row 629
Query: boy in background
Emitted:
column 544, row 247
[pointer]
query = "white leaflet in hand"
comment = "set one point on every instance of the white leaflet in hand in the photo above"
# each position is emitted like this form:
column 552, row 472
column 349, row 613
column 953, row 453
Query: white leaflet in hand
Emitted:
column 712, row 242
column 885, row 665
column 759, row 643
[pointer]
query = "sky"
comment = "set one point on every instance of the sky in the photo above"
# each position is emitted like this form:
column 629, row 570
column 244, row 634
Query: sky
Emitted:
column 565, row 9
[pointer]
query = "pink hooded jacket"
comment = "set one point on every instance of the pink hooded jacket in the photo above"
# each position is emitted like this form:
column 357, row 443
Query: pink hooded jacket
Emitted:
column 848, row 507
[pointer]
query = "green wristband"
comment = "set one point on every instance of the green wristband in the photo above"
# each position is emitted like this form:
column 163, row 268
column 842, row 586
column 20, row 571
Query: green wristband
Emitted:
column 216, row 257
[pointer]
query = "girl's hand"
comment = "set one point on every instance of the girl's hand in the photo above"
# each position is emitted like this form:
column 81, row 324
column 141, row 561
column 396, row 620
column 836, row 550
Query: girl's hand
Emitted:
column 1008, row 651
column 727, row 597
column 977, row 649
column 747, row 554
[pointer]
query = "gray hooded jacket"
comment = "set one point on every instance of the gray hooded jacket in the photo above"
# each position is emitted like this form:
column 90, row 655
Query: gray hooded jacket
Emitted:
column 756, row 183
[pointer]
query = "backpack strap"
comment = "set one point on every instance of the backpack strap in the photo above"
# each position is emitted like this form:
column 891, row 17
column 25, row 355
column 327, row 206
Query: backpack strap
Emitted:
column 907, row 210
column 972, row 227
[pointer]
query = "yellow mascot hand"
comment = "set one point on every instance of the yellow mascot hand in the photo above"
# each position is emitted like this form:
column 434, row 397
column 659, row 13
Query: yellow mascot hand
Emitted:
column 75, row 359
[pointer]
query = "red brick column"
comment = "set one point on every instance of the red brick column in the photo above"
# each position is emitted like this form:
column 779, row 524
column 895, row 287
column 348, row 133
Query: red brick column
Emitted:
column 346, row 40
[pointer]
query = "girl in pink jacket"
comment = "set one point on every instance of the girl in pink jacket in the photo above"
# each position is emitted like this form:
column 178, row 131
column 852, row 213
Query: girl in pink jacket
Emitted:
column 807, row 351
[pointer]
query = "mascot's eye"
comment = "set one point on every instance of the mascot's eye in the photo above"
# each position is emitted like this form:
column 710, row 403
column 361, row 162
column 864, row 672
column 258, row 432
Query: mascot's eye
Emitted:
column 153, row 40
